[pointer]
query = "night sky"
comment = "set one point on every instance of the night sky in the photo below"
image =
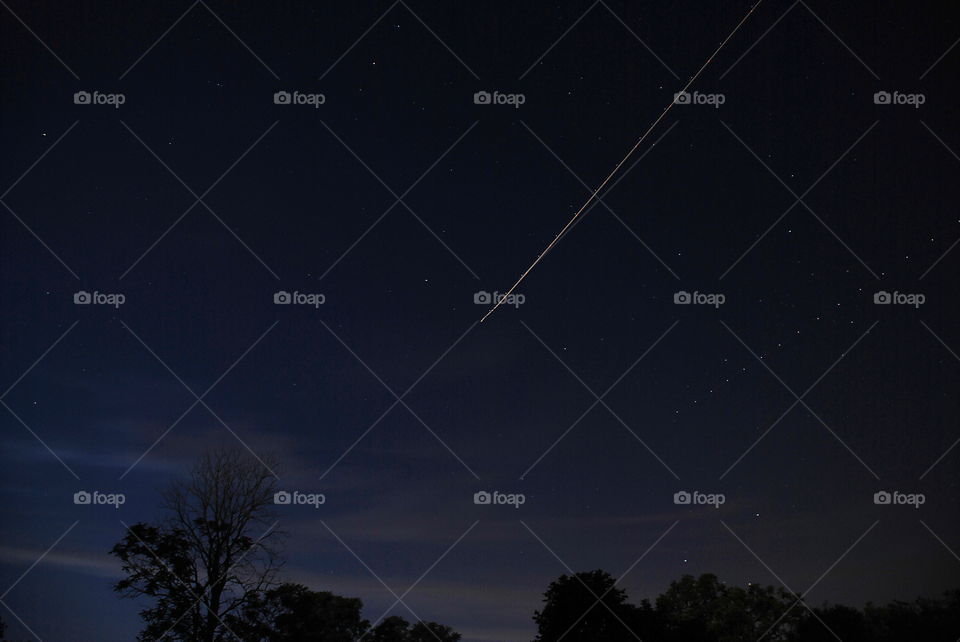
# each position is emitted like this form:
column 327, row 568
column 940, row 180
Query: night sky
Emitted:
column 401, row 200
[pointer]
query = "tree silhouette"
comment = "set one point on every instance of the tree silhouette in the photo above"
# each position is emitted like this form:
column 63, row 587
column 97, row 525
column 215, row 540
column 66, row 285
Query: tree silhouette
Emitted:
column 294, row 613
column 391, row 629
column 211, row 557
column 209, row 569
column 931, row 620
column 397, row 629
column 704, row 609
column 572, row 612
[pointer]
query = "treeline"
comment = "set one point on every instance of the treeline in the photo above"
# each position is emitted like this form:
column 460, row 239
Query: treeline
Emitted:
column 588, row 607
column 208, row 570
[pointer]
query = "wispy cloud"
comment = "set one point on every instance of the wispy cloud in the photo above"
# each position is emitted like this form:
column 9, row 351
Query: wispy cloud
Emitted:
column 97, row 565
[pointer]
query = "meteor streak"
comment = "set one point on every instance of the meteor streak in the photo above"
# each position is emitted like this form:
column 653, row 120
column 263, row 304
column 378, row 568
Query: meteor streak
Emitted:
column 617, row 167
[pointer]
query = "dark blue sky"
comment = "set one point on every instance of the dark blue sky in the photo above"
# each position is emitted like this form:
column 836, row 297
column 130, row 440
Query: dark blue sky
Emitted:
column 399, row 199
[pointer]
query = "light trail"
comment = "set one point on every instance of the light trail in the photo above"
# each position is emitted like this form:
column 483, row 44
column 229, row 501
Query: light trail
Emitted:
column 617, row 167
